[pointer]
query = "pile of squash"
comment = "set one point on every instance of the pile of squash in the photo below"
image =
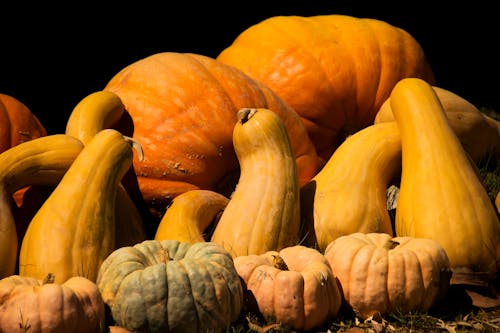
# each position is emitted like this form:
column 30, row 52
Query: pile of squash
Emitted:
column 191, row 190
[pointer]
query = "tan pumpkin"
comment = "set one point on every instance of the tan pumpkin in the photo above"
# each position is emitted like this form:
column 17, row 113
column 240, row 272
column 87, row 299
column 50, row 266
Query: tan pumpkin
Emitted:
column 348, row 195
column 43, row 306
column 382, row 274
column 295, row 286
column 478, row 133
column 335, row 71
column 441, row 196
column 263, row 212
column 189, row 216
column 183, row 109
column 74, row 230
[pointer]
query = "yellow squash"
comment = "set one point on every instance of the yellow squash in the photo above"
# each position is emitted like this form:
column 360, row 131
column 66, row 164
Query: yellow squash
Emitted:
column 95, row 112
column 74, row 230
column 441, row 196
column 478, row 133
column 263, row 213
column 190, row 214
column 41, row 161
column 349, row 194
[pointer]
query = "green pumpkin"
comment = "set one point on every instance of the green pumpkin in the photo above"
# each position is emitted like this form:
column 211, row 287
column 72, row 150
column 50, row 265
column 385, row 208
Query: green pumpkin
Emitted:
column 171, row 286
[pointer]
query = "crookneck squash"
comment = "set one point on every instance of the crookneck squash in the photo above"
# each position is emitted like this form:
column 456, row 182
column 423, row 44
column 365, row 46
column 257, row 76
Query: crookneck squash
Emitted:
column 40, row 161
column 74, row 230
column 478, row 133
column 170, row 286
column 44, row 306
column 334, row 70
column 441, row 195
column 295, row 286
column 190, row 215
column 349, row 194
column 95, row 112
column 263, row 213
column 183, row 109
column 381, row 274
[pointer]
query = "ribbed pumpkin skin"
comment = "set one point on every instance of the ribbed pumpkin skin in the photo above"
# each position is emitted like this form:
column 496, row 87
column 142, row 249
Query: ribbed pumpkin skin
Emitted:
column 349, row 193
column 169, row 286
column 17, row 123
column 334, row 70
column 30, row 305
column 379, row 273
column 478, row 133
column 183, row 108
column 303, row 296
column 441, row 196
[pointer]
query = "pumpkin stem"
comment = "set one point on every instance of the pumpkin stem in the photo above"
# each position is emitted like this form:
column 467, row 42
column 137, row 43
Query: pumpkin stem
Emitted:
column 245, row 114
column 279, row 263
column 163, row 255
column 137, row 146
column 391, row 244
column 50, row 278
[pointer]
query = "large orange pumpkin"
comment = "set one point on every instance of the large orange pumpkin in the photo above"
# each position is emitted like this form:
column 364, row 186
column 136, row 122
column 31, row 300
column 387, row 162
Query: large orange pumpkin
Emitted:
column 183, row 107
column 334, row 70
column 17, row 123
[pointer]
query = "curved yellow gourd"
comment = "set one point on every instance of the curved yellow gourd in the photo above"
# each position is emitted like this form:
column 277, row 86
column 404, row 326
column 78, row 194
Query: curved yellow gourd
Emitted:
column 95, row 112
column 263, row 212
column 190, row 214
column 74, row 230
column 478, row 133
column 349, row 195
column 441, row 196
column 41, row 161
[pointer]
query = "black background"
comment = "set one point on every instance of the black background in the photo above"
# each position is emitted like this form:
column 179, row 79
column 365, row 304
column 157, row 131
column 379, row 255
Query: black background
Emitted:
column 52, row 56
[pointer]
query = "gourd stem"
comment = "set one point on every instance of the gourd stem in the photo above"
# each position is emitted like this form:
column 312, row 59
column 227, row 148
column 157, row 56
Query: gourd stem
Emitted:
column 50, row 278
column 390, row 244
column 279, row 263
column 163, row 256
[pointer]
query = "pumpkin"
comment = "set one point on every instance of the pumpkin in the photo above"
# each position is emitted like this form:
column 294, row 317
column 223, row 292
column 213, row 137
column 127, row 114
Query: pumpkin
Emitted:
column 349, row 194
column 263, row 212
column 74, row 230
column 335, row 72
column 382, row 274
column 478, row 133
column 43, row 306
column 183, row 109
column 190, row 215
column 294, row 286
column 17, row 123
column 441, row 196
column 171, row 286
column 95, row 112
column 40, row 161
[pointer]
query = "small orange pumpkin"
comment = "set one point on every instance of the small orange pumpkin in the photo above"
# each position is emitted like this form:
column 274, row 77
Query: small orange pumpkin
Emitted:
column 384, row 274
column 36, row 306
column 294, row 286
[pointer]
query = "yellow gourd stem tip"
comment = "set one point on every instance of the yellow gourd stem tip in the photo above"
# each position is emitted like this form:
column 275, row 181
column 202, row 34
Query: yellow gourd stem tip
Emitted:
column 137, row 146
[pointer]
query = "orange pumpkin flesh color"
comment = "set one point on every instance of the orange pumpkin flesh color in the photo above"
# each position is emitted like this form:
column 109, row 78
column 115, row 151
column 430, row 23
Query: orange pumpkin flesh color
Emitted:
column 183, row 108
